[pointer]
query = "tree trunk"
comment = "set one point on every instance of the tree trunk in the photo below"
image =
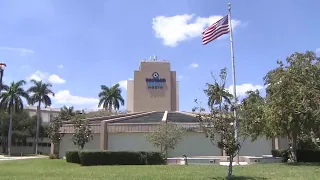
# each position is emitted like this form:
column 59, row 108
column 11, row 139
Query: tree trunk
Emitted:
column 230, row 167
column 110, row 108
column 221, row 138
column 166, row 151
column 10, row 132
column 294, row 146
column 4, row 147
column 3, row 140
column 38, row 127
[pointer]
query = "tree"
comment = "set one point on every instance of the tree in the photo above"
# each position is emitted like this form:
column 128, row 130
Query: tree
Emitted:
column 217, row 93
column 66, row 113
column 23, row 127
column 54, row 129
column 54, row 132
column 82, row 131
column 110, row 97
column 251, row 115
column 292, row 100
column 4, row 125
column 220, row 120
column 11, row 101
column 166, row 136
column 40, row 94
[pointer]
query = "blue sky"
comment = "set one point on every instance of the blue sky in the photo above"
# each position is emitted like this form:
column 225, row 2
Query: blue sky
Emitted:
column 79, row 45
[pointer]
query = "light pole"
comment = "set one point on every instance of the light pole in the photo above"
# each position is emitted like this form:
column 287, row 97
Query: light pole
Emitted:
column 2, row 67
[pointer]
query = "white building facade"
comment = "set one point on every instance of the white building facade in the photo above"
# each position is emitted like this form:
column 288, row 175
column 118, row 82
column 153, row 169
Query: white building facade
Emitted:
column 43, row 144
column 128, row 133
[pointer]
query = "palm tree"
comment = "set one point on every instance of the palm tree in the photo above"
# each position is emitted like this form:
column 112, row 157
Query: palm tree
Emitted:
column 110, row 97
column 217, row 93
column 67, row 112
column 40, row 92
column 11, row 101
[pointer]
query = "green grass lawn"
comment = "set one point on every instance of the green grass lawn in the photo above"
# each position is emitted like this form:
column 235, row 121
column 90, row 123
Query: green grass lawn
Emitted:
column 45, row 169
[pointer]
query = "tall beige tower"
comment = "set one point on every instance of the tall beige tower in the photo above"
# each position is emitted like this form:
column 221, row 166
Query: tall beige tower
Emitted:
column 154, row 88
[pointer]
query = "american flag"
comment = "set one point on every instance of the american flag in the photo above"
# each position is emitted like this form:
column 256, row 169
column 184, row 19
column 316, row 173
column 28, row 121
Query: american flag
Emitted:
column 216, row 30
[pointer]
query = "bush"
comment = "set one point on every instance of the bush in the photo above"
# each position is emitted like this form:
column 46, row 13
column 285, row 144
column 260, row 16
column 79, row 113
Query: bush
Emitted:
column 308, row 155
column 120, row 158
column 283, row 153
column 155, row 158
column 73, row 157
column 53, row 156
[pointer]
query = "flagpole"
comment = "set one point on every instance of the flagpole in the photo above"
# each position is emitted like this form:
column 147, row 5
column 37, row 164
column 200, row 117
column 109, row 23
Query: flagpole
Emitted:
column 235, row 124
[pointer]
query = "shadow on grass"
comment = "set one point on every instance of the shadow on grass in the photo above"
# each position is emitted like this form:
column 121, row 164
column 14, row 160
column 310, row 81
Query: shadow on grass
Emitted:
column 242, row 178
column 303, row 164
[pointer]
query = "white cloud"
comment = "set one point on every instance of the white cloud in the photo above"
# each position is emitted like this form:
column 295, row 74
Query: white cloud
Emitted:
column 175, row 29
column 93, row 108
column 60, row 66
column 65, row 97
column 123, row 84
column 243, row 88
column 180, row 77
column 43, row 76
column 24, row 66
column 38, row 76
column 194, row 65
column 55, row 79
column 20, row 50
column 318, row 50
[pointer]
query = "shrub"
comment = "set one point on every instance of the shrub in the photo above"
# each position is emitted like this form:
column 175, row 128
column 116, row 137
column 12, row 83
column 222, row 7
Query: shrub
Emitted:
column 73, row 157
column 283, row 153
column 88, row 158
column 53, row 156
column 155, row 158
column 308, row 155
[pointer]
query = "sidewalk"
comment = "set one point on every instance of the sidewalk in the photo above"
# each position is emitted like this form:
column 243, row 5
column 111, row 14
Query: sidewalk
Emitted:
column 3, row 158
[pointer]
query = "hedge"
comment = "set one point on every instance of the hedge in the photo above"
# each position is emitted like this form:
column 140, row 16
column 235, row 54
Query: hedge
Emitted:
column 90, row 158
column 308, row 155
column 73, row 157
column 302, row 155
column 283, row 153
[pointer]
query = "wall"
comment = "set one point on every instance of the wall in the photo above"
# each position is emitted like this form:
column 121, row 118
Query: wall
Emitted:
column 177, row 95
column 28, row 150
column 173, row 98
column 145, row 99
column 257, row 148
column 66, row 144
column 130, row 95
column 45, row 115
column 194, row 144
column 43, row 147
column 283, row 143
column 129, row 142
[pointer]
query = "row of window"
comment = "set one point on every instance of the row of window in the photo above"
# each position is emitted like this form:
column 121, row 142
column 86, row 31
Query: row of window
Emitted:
column 30, row 144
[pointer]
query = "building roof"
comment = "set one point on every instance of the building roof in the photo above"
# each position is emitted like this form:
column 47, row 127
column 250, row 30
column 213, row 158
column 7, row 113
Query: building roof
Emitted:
column 42, row 108
column 135, row 122
column 182, row 117
column 155, row 117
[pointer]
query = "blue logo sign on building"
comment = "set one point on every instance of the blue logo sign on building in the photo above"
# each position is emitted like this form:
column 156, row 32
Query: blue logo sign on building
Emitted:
column 155, row 82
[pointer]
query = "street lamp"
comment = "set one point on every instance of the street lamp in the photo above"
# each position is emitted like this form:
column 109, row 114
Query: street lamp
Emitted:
column 2, row 67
